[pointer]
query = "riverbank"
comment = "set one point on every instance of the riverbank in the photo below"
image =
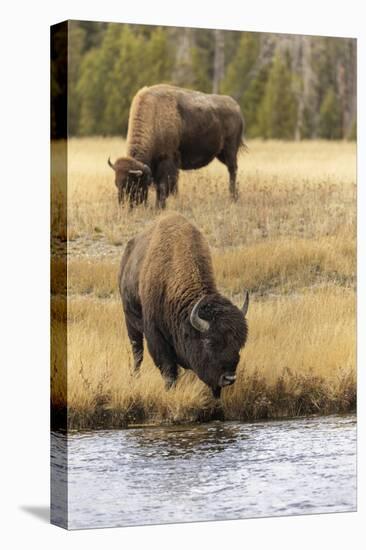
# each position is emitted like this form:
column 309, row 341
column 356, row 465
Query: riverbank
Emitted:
column 303, row 396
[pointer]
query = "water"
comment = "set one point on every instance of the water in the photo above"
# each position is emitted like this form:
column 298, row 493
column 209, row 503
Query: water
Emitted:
column 215, row 471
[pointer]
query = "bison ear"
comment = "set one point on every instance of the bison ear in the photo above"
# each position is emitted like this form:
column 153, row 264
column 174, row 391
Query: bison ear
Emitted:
column 244, row 309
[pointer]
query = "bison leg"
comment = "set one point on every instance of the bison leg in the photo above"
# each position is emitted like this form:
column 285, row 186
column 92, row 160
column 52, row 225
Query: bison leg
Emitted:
column 121, row 195
column 163, row 355
column 228, row 158
column 145, row 195
column 166, row 178
column 137, row 344
column 160, row 195
column 141, row 194
column 135, row 195
column 170, row 374
column 233, row 183
column 173, row 183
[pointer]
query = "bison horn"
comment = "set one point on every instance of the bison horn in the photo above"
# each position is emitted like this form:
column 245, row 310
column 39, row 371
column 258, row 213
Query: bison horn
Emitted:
column 135, row 172
column 199, row 324
column 110, row 164
column 244, row 309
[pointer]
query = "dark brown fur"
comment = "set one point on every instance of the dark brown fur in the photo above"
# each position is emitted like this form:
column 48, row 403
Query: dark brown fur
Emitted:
column 164, row 272
column 172, row 129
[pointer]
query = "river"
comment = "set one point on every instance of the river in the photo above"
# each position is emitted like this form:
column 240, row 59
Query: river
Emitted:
column 213, row 471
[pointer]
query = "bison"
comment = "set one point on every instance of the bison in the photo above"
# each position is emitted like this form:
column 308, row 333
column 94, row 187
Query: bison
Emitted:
column 169, row 295
column 171, row 128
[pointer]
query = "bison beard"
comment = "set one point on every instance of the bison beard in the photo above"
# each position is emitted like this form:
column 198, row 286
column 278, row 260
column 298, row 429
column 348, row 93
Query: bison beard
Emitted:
column 169, row 295
column 172, row 129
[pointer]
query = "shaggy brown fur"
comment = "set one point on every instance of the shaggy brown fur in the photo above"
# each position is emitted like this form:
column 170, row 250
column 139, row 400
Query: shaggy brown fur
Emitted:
column 164, row 272
column 171, row 128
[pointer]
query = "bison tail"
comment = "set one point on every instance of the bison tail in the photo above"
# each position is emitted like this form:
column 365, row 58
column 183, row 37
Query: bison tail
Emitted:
column 243, row 147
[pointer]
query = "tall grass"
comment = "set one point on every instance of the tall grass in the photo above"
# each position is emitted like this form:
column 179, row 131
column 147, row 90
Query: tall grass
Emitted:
column 290, row 239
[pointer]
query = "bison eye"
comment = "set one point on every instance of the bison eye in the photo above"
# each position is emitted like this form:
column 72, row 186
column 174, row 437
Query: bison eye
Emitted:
column 186, row 335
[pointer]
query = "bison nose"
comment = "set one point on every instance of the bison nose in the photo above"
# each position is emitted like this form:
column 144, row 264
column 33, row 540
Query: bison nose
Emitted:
column 227, row 379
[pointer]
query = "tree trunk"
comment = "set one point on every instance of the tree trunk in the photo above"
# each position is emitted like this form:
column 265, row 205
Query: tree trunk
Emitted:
column 219, row 61
column 182, row 73
column 351, row 88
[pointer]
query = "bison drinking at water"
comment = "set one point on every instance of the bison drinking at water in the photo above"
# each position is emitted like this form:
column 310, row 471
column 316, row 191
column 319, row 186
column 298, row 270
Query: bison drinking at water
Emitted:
column 169, row 295
column 171, row 128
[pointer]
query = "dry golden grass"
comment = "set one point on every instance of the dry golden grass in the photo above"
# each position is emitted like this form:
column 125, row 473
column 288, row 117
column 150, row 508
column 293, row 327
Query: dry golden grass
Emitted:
column 290, row 239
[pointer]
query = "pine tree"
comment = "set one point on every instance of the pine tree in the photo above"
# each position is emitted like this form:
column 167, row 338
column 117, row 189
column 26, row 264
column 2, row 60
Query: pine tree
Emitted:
column 330, row 119
column 112, row 74
column 353, row 132
column 94, row 32
column 251, row 101
column 277, row 112
column 242, row 68
column 159, row 58
column 287, row 86
column 76, row 39
column 183, row 69
column 219, row 60
column 246, row 78
column 97, row 69
column 124, row 80
column 202, row 60
column 59, row 51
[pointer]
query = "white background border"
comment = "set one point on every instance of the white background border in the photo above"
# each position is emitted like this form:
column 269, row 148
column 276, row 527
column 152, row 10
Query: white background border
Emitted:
column 24, row 128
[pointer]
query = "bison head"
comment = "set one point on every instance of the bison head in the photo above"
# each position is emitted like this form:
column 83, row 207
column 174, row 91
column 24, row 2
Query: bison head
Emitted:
column 132, row 179
column 220, row 333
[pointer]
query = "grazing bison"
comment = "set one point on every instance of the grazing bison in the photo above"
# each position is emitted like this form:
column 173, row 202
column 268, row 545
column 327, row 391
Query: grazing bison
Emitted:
column 169, row 296
column 170, row 129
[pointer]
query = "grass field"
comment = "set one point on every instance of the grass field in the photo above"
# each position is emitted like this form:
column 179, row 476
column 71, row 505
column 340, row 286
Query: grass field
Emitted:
column 290, row 239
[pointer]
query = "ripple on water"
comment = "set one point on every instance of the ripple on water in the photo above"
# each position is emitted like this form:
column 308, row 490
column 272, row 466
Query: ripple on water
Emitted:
column 220, row 470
